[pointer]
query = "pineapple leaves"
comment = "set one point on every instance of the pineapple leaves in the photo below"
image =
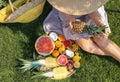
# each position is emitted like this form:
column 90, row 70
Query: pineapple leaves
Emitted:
column 37, row 74
column 93, row 29
column 29, row 65
column 42, row 74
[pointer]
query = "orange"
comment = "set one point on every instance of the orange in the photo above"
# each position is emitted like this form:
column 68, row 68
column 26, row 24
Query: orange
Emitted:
column 58, row 44
column 55, row 53
column 76, row 58
column 61, row 37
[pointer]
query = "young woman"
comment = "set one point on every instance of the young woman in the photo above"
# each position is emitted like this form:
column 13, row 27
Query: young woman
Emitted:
column 65, row 12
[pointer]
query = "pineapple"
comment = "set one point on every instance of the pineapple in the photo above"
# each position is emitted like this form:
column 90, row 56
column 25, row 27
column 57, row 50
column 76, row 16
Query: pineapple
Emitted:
column 51, row 62
column 47, row 68
column 78, row 26
column 56, row 73
column 81, row 27
column 60, row 75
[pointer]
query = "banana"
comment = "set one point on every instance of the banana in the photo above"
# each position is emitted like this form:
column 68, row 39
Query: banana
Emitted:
column 27, row 13
column 6, row 11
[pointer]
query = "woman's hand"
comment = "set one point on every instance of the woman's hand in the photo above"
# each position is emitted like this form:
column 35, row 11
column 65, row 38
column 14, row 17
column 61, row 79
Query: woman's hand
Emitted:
column 95, row 16
column 71, row 26
column 106, row 33
column 103, row 35
column 70, row 19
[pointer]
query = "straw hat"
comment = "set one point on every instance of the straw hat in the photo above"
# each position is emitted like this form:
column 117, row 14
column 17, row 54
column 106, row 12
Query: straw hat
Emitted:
column 77, row 7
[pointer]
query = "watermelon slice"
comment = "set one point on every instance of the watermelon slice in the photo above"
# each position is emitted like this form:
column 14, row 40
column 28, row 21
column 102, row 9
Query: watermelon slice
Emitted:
column 44, row 45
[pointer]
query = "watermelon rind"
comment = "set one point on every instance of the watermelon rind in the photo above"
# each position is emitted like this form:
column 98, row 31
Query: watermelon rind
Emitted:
column 44, row 54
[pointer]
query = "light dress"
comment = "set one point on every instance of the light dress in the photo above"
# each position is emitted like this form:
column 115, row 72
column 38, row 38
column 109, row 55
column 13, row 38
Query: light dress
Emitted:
column 56, row 22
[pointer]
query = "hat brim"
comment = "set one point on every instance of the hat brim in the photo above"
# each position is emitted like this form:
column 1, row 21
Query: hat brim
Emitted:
column 77, row 7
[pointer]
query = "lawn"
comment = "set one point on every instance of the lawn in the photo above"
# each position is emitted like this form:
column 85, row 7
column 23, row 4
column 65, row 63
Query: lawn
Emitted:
column 17, row 41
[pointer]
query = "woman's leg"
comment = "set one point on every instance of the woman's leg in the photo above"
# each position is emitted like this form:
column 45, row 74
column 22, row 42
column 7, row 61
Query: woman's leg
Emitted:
column 89, row 46
column 108, row 46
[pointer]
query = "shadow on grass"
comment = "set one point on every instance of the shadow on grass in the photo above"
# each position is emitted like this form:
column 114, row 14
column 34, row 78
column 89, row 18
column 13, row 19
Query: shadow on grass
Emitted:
column 32, row 29
column 88, row 56
column 109, row 59
column 113, row 11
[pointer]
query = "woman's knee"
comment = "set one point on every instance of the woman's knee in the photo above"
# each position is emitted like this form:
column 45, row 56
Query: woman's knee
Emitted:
column 100, row 41
column 86, row 45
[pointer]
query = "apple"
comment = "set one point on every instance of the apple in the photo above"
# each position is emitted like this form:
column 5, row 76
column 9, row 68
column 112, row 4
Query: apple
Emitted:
column 69, row 64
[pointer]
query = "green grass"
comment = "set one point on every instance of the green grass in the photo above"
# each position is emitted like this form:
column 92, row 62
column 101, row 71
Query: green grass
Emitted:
column 17, row 41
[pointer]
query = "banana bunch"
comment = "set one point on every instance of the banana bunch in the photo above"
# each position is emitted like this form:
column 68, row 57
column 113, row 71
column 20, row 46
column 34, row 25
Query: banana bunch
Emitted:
column 6, row 11
column 25, row 12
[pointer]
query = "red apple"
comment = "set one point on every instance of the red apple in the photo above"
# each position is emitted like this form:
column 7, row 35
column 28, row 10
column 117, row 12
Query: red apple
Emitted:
column 69, row 64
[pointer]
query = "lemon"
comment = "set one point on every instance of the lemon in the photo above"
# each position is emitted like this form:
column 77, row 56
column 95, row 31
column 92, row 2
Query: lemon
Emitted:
column 76, row 64
column 61, row 49
column 76, row 58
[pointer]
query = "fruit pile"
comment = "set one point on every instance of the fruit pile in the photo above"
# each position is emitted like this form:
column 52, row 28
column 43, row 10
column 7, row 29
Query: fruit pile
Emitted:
column 60, row 57
column 65, row 51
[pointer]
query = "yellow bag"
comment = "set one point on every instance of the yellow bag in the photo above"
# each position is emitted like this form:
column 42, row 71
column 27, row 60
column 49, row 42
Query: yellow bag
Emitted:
column 25, row 13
